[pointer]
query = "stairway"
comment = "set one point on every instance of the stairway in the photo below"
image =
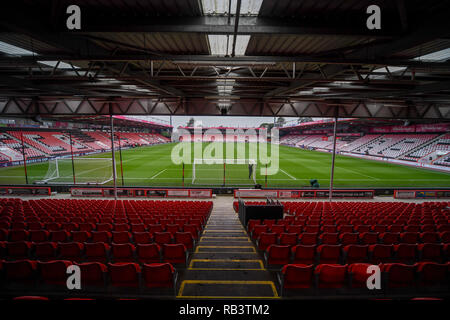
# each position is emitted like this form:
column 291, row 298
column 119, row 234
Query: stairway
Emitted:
column 225, row 263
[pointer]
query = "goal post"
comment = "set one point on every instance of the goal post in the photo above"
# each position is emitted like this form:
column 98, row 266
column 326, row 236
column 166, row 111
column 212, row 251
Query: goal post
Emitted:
column 224, row 172
column 87, row 171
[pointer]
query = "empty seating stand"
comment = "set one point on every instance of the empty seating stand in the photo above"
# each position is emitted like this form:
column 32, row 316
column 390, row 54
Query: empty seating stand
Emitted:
column 115, row 244
column 354, row 235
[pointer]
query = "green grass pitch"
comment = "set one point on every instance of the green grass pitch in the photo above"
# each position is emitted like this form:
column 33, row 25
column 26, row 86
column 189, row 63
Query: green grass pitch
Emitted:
column 152, row 166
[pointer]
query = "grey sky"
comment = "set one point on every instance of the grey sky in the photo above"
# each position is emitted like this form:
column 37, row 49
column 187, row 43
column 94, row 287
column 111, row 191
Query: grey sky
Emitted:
column 215, row 121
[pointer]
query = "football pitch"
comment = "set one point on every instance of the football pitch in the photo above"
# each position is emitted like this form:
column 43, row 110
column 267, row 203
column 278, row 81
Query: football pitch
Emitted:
column 153, row 166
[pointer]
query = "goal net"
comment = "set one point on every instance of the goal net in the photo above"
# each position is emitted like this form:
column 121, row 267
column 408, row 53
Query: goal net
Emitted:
column 224, row 172
column 87, row 171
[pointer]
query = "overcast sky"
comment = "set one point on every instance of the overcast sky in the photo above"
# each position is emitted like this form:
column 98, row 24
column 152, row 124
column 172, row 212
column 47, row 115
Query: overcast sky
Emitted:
column 215, row 121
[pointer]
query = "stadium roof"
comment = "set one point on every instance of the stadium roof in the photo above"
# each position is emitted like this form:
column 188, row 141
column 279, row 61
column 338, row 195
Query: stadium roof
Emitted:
column 262, row 57
column 120, row 121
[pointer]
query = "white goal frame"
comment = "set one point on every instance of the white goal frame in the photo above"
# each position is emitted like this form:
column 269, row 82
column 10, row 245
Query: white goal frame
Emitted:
column 224, row 161
column 51, row 176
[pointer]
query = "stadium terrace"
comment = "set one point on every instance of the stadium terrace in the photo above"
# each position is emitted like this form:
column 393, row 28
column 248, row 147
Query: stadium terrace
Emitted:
column 221, row 158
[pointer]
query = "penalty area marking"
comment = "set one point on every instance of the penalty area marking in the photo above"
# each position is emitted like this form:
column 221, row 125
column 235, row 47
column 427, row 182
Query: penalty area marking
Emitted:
column 158, row 174
column 290, row 176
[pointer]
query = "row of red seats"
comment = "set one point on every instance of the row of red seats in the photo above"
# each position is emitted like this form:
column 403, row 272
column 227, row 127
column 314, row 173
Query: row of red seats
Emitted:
column 395, row 277
column 346, row 226
column 118, row 225
column 94, row 276
column 176, row 253
column 103, row 207
column 263, row 239
column 188, row 236
column 278, row 255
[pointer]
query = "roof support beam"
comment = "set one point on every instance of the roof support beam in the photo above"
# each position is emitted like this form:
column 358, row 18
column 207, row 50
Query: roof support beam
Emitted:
column 224, row 25
column 435, row 27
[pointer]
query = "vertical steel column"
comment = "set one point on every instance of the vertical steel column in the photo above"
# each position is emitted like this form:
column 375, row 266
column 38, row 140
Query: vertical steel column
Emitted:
column 330, row 197
column 71, row 152
column 113, row 155
column 24, row 158
column 120, row 155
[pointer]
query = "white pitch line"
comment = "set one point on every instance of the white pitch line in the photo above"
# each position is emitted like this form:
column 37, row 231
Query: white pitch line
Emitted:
column 361, row 174
column 293, row 178
column 158, row 174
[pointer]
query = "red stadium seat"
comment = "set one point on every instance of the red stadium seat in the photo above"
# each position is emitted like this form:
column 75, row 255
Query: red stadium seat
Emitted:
column 123, row 252
column 121, row 227
column 16, row 235
column 445, row 236
column 152, row 228
column 101, row 236
column 192, row 229
column 258, row 229
column 277, row 255
column 278, row 229
column 162, row 238
column 430, row 237
column 399, row 275
column 3, row 234
column 138, row 227
column 348, row 238
column 251, row 224
column 39, row 236
column 172, row 228
column 368, row 237
column 304, row 254
column 432, row 274
column 18, row 250
column 329, row 238
column 31, row 298
column 121, row 237
column 174, row 253
column 20, row 271
column 59, row 236
column 328, row 229
column 380, row 253
column 124, row 274
column 81, row 236
column 311, row 229
column 97, row 252
column 142, row 237
column 71, row 251
column 345, row 229
column 93, row 274
column 405, row 253
column 297, row 276
column 430, row 252
column 294, row 229
column 289, row 239
column 409, row 237
column 159, row 275
column 104, row 227
column 54, row 272
column 45, row 251
column 265, row 239
column 308, row 238
column 358, row 275
column 329, row 254
column 355, row 253
column 185, row 238
column 390, row 238
column 331, row 276
column 148, row 253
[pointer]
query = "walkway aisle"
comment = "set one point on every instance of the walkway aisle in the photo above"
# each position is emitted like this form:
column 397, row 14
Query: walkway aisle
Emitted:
column 225, row 263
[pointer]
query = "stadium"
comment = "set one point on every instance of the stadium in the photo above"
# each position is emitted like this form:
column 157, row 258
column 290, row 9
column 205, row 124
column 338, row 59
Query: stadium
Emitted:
column 214, row 152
